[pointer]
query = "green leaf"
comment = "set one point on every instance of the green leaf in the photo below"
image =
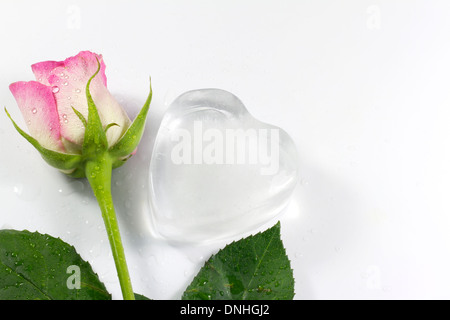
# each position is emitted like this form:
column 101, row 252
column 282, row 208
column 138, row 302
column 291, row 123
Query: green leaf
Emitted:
column 254, row 268
column 138, row 296
column 94, row 136
column 36, row 266
column 62, row 161
column 130, row 140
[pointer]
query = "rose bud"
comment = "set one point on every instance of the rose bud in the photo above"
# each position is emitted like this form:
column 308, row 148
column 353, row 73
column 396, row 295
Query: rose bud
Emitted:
column 56, row 109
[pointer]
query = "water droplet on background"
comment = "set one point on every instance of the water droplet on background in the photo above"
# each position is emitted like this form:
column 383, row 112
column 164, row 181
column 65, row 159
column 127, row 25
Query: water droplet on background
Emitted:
column 85, row 201
column 28, row 192
column 71, row 187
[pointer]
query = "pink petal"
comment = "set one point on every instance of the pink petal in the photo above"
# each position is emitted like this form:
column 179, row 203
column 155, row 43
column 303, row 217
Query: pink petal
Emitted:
column 69, row 83
column 42, row 70
column 86, row 62
column 38, row 107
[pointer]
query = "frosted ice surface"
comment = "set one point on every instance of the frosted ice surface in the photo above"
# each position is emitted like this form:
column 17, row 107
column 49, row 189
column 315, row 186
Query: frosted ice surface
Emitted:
column 216, row 172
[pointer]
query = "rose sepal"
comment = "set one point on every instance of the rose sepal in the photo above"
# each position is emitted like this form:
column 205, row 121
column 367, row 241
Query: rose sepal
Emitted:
column 62, row 161
column 128, row 143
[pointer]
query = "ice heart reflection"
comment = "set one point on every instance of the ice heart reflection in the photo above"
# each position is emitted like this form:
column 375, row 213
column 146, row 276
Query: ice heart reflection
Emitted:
column 216, row 172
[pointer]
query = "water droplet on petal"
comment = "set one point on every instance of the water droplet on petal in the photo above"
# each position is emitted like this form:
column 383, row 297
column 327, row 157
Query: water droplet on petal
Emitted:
column 78, row 91
column 55, row 89
column 65, row 83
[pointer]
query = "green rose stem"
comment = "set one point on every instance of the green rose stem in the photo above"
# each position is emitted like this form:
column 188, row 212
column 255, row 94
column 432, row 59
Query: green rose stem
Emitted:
column 98, row 169
column 98, row 173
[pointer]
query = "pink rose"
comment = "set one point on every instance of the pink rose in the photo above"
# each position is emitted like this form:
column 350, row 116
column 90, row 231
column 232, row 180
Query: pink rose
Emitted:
column 47, row 104
column 78, row 128
column 71, row 116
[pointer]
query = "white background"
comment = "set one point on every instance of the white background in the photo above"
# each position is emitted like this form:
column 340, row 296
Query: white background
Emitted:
column 361, row 86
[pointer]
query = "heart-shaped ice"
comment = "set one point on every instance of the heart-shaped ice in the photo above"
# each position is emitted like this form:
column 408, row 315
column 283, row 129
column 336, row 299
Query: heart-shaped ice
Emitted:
column 216, row 172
